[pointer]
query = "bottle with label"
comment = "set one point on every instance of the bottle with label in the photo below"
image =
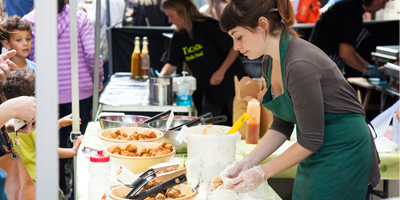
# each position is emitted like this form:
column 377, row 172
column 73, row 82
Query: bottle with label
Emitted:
column 145, row 58
column 135, row 60
column 184, row 97
column 99, row 183
column 253, row 123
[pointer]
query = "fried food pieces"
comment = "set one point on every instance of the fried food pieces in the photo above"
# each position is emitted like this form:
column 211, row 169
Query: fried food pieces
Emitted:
column 132, row 150
column 170, row 193
column 146, row 134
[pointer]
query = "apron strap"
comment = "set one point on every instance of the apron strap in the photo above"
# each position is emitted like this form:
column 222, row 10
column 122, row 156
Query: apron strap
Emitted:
column 369, row 123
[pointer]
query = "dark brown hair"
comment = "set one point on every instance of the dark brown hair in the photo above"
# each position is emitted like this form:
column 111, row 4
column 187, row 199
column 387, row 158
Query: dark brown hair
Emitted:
column 246, row 13
column 14, row 23
column 19, row 83
column 187, row 11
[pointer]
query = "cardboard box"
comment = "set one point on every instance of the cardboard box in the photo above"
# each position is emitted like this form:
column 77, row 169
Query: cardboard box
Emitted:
column 245, row 90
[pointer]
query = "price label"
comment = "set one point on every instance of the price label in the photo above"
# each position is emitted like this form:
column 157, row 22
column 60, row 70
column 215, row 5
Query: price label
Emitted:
column 169, row 121
column 182, row 134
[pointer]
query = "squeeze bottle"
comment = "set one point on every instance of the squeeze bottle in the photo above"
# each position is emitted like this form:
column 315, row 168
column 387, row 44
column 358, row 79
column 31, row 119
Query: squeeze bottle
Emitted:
column 253, row 124
column 145, row 58
column 184, row 98
column 135, row 59
column 99, row 183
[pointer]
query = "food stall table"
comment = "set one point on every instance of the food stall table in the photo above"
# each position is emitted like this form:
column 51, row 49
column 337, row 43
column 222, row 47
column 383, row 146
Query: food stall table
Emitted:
column 92, row 140
column 389, row 166
column 124, row 94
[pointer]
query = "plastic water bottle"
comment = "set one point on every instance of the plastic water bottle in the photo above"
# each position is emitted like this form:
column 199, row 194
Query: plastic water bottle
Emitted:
column 99, row 183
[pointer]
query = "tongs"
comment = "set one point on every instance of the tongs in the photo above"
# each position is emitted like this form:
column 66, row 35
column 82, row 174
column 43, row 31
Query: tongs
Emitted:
column 158, row 116
column 171, row 183
column 192, row 122
column 215, row 120
column 141, row 181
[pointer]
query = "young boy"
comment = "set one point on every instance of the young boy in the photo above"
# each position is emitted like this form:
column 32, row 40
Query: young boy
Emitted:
column 22, row 83
column 17, row 35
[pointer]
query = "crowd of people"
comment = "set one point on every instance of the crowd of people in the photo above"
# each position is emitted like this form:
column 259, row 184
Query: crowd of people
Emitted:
column 306, row 83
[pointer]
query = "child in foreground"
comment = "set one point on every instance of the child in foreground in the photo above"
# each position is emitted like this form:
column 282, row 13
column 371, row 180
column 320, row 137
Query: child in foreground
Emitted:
column 22, row 83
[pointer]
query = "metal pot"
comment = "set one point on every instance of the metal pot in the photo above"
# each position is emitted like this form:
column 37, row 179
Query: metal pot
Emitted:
column 160, row 91
column 116, row 121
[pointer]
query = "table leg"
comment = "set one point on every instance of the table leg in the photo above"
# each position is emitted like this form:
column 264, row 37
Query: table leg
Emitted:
column 383, row 100
column 359, row 94
column 385, row 193
column 366, row 99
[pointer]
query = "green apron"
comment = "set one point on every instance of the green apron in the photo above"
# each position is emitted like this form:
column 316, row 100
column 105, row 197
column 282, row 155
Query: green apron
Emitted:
column 340, row 169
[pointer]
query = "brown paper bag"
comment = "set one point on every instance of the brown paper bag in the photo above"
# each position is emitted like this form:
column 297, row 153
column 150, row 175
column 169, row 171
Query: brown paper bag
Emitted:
column 245, row 90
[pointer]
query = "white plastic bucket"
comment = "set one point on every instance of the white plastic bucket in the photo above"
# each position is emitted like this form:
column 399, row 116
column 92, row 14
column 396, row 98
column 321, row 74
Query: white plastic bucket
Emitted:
column 215, row 148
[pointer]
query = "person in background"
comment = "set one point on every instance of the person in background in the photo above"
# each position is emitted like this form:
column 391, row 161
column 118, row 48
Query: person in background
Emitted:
column 366, row 16
column 148, row 13
column 306, row 89
column 117, row 8
column 18, row 7
column 86, row 51
column 209, row 54
column 214, row 8
column 22, row 83
column 339, row 31
column 17, row 35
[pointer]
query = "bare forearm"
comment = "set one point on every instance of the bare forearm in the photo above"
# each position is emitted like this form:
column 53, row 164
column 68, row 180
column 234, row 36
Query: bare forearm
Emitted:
column 167, row 70
column 67, row 152
column 271, row 141
column 292, row 156
column 230, row 58
column 348, row 54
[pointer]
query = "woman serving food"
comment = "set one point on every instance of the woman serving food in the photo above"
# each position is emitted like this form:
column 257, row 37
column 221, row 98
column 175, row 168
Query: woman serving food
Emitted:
column 335, row 150
column 199, row 42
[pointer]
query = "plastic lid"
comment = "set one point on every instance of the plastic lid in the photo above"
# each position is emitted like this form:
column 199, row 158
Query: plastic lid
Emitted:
column 253, row 102
column 99, row 157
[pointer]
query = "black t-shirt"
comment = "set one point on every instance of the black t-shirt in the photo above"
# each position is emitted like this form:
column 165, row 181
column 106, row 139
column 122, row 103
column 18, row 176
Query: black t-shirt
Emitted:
column 204, row 54
column 341, row 23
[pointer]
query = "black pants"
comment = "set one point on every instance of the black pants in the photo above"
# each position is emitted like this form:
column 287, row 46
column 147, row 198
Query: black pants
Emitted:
column 203, row 106
column 66, row 165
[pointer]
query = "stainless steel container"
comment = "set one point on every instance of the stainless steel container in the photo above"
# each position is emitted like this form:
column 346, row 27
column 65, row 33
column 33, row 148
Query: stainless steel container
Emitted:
column 116, row 121
column 160, row 91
